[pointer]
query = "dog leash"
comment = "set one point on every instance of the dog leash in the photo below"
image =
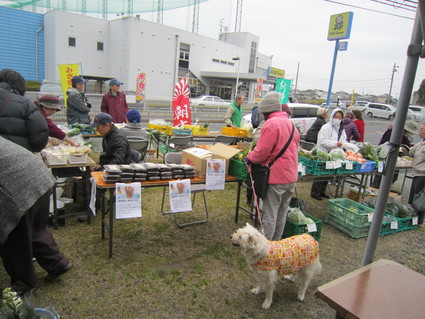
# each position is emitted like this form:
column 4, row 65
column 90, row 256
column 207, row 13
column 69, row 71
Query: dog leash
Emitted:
column 261, row 228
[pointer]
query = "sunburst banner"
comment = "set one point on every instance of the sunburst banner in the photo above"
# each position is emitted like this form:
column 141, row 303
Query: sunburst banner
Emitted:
column 181, row 104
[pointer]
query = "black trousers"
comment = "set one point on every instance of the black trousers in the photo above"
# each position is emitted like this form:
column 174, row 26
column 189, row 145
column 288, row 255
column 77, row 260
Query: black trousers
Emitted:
column 418, row 183
column 318, row 188
column 32, row 238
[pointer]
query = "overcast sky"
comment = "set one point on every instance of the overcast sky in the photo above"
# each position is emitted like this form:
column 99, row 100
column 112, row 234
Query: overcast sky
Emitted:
column 296, row 31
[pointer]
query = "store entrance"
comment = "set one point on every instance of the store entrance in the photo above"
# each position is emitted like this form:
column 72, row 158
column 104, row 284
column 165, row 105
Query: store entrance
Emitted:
column 221, row 89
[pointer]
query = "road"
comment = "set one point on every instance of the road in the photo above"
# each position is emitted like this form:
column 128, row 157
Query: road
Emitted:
column 374, row 129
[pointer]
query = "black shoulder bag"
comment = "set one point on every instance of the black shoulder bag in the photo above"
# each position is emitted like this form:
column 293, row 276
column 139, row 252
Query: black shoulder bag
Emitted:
column 260, row 174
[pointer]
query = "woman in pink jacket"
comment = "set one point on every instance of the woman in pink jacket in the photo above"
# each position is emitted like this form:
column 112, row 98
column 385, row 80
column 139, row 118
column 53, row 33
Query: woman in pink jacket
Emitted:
column 284, row 172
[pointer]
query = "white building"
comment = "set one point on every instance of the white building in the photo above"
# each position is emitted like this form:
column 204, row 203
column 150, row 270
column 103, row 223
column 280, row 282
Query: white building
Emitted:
column 128, row 46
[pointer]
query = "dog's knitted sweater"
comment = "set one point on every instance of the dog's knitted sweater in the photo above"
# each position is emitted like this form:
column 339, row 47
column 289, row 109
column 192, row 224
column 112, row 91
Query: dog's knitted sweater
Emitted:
column 290, row 255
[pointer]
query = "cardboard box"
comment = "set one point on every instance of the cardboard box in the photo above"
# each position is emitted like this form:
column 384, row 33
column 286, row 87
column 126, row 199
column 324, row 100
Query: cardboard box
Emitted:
column 197, row 157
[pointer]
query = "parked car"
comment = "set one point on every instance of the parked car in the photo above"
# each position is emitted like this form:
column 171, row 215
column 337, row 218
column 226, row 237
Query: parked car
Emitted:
column 303, row 115
column 208, row 100
column 416, row 113
column 360, row 105
column 50, row 88
column 385, row 111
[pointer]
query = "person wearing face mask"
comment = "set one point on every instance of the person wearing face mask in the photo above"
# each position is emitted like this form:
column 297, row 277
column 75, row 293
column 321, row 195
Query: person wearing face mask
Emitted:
column 410, row 128
column 331, row 135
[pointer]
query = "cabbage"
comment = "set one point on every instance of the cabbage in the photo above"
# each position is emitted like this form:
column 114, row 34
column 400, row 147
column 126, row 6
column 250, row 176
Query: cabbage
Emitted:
column 296, row 216
column 337, row 153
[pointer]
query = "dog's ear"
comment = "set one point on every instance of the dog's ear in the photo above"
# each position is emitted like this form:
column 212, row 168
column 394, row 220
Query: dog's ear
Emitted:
column 251, row 240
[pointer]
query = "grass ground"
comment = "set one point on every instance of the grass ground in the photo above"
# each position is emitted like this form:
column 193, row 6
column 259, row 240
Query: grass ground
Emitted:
column 162, row 271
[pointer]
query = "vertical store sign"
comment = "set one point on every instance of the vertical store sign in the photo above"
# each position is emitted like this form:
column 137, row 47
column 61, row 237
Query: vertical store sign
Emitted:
column 181, row 104
column 66, row 72
column 258, row 90
column 283, row 87
column 140, row 87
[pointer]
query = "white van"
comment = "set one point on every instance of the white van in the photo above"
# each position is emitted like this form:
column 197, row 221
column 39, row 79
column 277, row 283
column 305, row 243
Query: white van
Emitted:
column 303, row 115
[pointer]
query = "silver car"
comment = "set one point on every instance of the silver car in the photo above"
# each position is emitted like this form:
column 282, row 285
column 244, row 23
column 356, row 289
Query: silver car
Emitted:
column 385, row 111
column 51, row 88
column 208, row 100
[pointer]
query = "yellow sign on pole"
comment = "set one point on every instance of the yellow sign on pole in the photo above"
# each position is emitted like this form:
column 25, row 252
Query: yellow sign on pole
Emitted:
column 66, row 72
column 277, row 73
column 340, row 26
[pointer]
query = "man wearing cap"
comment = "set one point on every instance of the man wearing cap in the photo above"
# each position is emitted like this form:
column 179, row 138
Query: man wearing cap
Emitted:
column 276, row 132
column 233, row 116
column 78, row 106
column 114, row 102
column 20, row 120
column 313, row 131
column 49, row 104
column 116, row 149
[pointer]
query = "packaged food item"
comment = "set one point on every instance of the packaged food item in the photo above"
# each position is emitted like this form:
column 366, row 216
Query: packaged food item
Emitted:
column 139, row 168
column 112, row 169
column 126, row 168
column 154, row 178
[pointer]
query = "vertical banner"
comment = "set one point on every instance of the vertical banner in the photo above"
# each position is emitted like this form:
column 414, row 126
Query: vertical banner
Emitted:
column 66, row 72
column 215, row 176
column 180, row 196
column 140, row 87
column 258, row 90
column 283, row 87
column 181, row 104
column 128, row 200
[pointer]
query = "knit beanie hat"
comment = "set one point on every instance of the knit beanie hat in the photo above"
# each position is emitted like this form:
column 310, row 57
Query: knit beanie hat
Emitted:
column 270, row 103
column 133, row 116
column 76, row 80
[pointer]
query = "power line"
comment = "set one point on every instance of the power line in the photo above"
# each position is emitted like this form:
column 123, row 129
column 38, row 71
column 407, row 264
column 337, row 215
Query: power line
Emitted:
column 367, row 9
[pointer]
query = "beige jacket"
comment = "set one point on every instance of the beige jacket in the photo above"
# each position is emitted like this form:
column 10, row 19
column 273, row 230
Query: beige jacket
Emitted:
column 418, row 154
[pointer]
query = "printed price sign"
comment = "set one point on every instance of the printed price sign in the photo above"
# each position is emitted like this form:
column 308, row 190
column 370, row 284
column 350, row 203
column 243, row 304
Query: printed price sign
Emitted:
column 394, row 225
column 348, row 165
column 311, row 228
column 369, row 217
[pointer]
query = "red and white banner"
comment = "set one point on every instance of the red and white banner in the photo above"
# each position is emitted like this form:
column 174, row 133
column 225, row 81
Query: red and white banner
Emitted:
column 181, row 104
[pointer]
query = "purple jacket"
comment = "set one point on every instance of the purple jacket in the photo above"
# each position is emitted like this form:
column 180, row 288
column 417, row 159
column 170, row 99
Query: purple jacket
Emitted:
column 116, row 106
column 351, row 129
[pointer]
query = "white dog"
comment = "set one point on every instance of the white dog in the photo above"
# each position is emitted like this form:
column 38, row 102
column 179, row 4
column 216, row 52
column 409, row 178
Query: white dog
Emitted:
column 296, row 255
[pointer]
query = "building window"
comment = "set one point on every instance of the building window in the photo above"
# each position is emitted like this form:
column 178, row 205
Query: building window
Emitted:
column 71, row 41
column 184, row 56
column 100, row 46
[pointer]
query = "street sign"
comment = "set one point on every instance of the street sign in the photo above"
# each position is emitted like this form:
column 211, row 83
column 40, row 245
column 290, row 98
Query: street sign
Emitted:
column 340, row 26
column 343, row 46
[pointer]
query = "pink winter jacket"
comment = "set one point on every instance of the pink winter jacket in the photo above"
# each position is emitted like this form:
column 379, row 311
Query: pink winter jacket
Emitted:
column 274, row 135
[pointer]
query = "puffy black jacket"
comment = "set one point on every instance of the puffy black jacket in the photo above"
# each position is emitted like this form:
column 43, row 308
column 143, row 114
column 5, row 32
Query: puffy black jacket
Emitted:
column 313, row 131
column 21, row 122
column 116, row 149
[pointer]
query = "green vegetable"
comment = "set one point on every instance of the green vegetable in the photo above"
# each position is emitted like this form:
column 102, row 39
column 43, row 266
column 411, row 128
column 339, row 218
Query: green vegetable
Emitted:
column 369, row 152
column 73, row 132
column 309, row 221
column 337, row 153
column 296, row 216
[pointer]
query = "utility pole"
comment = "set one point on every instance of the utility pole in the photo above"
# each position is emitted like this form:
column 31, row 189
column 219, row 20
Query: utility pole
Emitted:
column 296, row 81
column 391, row 85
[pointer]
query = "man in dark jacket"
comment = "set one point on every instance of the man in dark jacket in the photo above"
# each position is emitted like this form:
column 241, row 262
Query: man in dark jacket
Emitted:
column 78, row 106
column 116, row 149
column 313, row 131
column 114, row 102
column 20, row 120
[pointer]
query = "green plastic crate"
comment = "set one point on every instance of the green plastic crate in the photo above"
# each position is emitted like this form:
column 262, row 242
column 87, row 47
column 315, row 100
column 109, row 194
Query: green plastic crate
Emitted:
column 349, row 216
column 313, row 167
column 292, row 229
column 238, row 169
column 386, row 226
column 405, row 224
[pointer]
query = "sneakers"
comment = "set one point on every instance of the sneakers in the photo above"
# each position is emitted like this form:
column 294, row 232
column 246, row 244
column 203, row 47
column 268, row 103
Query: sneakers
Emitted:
column 51, row 277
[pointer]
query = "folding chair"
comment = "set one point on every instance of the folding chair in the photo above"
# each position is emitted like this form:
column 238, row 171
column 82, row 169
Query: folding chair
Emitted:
column 307, row 145
column 225, row 139
column 138, row 144
column 175, row 158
